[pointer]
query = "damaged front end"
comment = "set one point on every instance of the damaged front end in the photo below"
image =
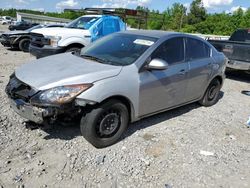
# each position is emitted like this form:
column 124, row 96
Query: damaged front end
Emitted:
column 4, row 40
column 44, row 107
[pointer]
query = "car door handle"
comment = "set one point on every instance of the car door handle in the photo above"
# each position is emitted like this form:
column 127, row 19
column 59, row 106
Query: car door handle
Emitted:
column 182, row 72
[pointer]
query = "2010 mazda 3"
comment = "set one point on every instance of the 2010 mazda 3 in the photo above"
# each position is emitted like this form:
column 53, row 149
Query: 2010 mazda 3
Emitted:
column 118, row 79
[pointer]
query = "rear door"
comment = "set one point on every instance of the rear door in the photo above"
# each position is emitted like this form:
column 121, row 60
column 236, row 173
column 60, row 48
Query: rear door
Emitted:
column 198, row 56
column 162, row 89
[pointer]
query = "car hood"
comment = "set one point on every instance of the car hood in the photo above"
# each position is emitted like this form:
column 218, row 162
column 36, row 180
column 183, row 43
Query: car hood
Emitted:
column 61, row 31
column 63, row 69
column 19, row 32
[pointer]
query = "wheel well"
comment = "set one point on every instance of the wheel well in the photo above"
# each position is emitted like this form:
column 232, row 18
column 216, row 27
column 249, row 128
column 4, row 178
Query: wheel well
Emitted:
column 125, row 101
column 78, row 45
column 21, row 38
column 219, row 78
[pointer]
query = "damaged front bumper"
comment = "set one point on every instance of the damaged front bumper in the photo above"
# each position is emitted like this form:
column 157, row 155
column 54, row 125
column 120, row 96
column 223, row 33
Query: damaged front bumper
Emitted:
column 21, row 94
column 4, row 41
column 32, row 113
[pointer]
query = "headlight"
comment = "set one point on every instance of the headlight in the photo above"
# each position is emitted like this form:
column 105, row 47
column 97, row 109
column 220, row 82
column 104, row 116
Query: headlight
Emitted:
column 53, row 40
column 59, row 95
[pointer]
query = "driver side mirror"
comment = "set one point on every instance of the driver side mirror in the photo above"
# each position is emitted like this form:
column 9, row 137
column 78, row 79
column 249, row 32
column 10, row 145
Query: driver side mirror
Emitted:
column 157, row 64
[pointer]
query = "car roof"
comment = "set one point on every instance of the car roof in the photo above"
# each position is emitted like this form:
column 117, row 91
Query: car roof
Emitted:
column 92, row 15
column 100, row 16
column 156, row 33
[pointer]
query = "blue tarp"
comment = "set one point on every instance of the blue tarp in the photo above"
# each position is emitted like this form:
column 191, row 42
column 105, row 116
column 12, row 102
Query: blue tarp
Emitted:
column 105, row 26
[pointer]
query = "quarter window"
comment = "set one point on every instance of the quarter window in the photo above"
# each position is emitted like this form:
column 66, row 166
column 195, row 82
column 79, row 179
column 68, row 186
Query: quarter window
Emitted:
column 196, row 49
column 172, row 51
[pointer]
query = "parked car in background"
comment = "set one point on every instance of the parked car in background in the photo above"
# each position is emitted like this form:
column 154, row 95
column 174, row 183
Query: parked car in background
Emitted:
column 22, row 26
column 76, row 35
column 5, row 20
column 21, row 39
column 237, row 49
column 118, row 79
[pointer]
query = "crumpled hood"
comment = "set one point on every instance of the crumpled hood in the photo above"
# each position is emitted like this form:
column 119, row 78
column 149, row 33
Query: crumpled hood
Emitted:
column 58, row 31
column 63, row 69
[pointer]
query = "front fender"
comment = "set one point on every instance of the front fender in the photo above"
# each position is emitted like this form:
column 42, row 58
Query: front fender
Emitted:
column 17, row 40
column 120, row 85
column 74, row 40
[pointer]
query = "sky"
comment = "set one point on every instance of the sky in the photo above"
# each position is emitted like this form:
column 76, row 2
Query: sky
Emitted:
column 212, row 6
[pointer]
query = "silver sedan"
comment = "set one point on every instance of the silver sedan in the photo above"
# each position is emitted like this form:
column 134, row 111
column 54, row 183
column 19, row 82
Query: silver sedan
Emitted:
column 118, row 79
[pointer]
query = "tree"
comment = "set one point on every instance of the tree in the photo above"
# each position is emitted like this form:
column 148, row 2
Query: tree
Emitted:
column 197, row 12
column 175, row 17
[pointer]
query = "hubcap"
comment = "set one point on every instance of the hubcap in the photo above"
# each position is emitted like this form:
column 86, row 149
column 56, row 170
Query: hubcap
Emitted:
column 108, row 124
column 213, row 92
column 26, row 45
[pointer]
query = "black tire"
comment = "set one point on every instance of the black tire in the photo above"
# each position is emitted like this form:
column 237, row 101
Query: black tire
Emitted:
column 96, row 128
column 24, row 45
column 212, row 94
column 74, row 50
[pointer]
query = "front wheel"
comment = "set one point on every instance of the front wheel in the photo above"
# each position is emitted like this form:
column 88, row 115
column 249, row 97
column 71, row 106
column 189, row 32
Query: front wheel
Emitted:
column 74, row 50
column 212, row 94
column 104, row 125
column 24, row 45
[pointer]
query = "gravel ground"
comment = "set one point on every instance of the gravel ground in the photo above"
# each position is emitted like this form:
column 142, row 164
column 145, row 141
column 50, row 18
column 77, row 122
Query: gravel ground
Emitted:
column 191, row 146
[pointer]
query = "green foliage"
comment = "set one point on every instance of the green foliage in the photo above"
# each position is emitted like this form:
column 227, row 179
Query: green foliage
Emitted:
column 174, row 18
column 197, row 12
column 68, row 15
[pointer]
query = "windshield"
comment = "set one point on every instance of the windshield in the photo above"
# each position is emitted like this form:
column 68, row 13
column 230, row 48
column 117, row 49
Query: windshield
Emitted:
column 118, row 49
column 35, row 27
column 82, row 22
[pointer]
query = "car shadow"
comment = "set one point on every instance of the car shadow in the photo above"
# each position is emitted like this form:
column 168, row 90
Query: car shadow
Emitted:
column 238, row 76
column 57, row 131
column 164, row 116
column 69, row 132
column 13, row 49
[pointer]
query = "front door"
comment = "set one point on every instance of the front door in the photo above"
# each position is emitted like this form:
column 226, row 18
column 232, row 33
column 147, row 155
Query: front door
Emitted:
column 162, row 89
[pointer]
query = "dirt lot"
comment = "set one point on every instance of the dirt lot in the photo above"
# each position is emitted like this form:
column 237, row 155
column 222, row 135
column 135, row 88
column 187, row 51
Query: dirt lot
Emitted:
column 161, row 151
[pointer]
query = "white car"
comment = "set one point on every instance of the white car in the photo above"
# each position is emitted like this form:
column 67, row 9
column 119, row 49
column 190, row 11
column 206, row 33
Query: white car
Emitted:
column 76, row 35
column 5, row 20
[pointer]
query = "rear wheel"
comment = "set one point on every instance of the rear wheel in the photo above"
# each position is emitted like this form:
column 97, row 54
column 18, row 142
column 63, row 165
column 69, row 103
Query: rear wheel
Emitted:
column 211, row 96
column 104, row 125
column 24, row 45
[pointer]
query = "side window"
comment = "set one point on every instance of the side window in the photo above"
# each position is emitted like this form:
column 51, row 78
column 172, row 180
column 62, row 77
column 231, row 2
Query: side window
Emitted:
column 196, row 49
column 99, row 29
column 172, row 51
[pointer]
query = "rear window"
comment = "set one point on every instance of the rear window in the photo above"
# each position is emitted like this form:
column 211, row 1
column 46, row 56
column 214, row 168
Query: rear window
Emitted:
column 239, row 35
column 248, row 35
column 196, row 49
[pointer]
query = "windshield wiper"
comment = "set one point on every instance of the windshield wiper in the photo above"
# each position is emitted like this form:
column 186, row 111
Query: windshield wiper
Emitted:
column 101, row 60
column 94, row 58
